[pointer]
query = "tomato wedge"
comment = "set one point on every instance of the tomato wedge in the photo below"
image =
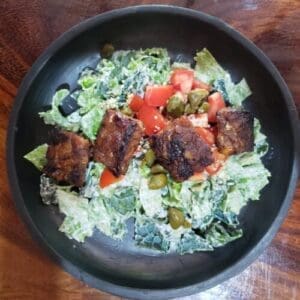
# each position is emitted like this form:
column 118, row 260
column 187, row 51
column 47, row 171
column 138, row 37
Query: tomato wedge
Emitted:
column 216, row 102
column 182, row 80
column 107, row 178
column 158, row 95
column 206, row 135
column 219, row 158
column 152, row 119
column 136, row 103
column 198, row 84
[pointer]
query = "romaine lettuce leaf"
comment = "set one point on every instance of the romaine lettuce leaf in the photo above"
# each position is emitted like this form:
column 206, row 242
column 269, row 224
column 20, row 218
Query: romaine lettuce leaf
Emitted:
column 151, row 201
column 77, row 224
column 91, row 122
column 247, row 175
column 38, row 156
column 201, row 205
column 191, row 242
column 123, row 201
column 218, row 235
column 148, row 235
column 54, row 116
column 210, row 71
column 261, row 145
column 108, row 222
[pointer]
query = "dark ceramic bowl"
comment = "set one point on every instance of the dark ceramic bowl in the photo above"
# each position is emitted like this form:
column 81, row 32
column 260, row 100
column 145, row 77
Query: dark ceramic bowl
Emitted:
column 120, row 267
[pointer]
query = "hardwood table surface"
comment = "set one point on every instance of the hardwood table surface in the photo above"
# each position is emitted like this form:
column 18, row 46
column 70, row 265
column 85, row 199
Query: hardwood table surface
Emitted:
column 26, row 29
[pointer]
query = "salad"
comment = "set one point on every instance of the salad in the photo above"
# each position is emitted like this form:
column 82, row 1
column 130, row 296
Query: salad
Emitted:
column 165, row 143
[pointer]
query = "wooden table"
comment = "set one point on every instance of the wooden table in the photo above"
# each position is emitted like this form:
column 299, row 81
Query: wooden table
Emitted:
column 26, row 29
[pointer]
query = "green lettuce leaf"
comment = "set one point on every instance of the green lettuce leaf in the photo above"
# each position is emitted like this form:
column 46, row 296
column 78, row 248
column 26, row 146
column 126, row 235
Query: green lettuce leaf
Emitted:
column 247, row 176
column 54, row 116
column 123, row 200
column 91, row 121
column 201, row 205
column 38, row 156
column 151, row 201
column 261, row 145
column 104, row 218
column 191, row 242
column 210, row 71
column 218, row 235
column 77, row 224
column 148, row 234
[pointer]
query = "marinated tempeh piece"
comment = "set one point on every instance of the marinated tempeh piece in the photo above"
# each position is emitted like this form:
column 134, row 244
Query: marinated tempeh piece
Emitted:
column 235, row 131
column 180, row 150
column 117, row 141
column 67, row 157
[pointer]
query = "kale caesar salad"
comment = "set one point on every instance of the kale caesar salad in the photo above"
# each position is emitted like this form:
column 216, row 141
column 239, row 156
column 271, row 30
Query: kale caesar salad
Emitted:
column 166, row 144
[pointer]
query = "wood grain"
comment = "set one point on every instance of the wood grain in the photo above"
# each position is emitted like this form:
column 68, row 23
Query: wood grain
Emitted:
column 26, row 29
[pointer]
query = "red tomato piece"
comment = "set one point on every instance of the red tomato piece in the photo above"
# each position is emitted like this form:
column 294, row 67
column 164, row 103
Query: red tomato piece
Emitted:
column 107, row 178
column 182, row 80
column 219, row 158
column 198, row 84
column 216, row 102
column 136, row 103
column 152, row 119
column 206, row 135
column 158, row 95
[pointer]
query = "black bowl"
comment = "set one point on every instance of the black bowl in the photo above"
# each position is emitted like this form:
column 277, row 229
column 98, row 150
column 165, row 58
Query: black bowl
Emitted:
column 120, row 267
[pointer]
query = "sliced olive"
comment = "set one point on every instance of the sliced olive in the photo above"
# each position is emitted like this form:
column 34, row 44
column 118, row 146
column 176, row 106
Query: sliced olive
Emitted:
column 175, row 106
column 157, row 169
column 204, row 107
column 157, row 181
column 127, row 111
column 107, row 50
column 176, row 217
column 150, row 157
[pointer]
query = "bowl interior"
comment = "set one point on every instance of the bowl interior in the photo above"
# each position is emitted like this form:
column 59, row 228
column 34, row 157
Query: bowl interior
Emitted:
column 122, row 263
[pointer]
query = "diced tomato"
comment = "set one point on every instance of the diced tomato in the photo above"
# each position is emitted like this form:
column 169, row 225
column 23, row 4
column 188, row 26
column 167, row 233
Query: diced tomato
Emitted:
column 152, row 119
column 158, row 95
column 216, row 102
column 182, row 80
column 198, row 84
column 107, row 178
column 136, row 103
column 206, row 135
column 219, row 158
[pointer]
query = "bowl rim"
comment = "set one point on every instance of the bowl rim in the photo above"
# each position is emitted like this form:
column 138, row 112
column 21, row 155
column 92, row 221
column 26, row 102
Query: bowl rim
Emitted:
column 113, row 288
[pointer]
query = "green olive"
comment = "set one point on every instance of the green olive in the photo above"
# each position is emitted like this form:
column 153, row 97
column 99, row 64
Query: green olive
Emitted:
column 176, row 217
column 204, row 107
column 150, row 157
column 157, row 169
column 126, row 111
column 157, row 181
column 197, row 96
column 175, row 106
column 189, row 109
column 107, row 50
